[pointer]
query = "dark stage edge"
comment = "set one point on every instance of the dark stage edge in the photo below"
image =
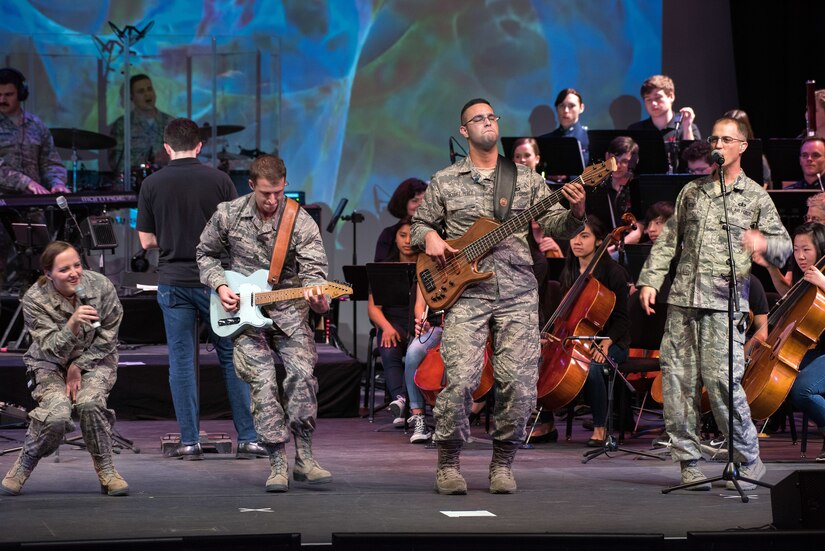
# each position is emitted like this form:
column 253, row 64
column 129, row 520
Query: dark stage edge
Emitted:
column 381, row 484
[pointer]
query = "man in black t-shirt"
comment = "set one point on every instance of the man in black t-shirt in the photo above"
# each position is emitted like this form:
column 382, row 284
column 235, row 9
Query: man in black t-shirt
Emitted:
column 173, row 207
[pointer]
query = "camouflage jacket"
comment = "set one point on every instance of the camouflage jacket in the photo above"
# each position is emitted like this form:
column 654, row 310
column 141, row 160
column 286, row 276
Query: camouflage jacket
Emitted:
column 46, row 313
column 147, row 139
column 696, row 232
column 237, row 229
column 459, row 195
column 28, row 154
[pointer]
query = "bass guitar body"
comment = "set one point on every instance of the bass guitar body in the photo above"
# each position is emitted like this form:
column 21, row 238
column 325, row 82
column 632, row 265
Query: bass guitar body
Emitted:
column 442, row 287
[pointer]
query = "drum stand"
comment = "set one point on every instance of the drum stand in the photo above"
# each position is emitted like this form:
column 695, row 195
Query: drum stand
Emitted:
column 610, row 442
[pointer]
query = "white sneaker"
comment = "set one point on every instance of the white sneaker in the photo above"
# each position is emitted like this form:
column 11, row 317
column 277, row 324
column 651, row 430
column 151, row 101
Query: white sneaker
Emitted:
column 754, row 471
column 420, row 431
column 397, row 408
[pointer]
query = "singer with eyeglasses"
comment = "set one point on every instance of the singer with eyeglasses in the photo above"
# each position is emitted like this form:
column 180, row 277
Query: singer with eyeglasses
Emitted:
column 812, row 163
column 504, row 306
column 73, row 316
column 694, row 349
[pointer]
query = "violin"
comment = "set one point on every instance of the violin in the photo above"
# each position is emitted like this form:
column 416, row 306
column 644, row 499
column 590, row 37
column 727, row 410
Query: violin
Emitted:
column 583, row 312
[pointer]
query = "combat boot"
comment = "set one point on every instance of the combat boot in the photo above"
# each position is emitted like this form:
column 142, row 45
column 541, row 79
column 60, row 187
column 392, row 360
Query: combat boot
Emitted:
column 278, row 480
column 306, row 468
column 448, row 479
column 18, row 474
column 111, row 482
column 501, row 473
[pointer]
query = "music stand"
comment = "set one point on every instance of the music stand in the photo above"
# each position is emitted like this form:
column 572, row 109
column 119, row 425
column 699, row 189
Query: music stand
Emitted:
column 391, row 284
column 558, row 155
column 652, row 188
column 635, row 256
column 783, row 156
column 32, row 238
column 652, row 157
column 792, row 205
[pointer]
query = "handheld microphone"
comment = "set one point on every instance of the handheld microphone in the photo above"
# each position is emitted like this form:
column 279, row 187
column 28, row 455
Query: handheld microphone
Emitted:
column 717, row 157
column 80, row 293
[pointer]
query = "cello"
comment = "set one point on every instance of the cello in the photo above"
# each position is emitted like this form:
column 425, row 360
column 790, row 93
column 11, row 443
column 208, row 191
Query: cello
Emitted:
column 795, row 323
column 431, row 377
column 583, row 312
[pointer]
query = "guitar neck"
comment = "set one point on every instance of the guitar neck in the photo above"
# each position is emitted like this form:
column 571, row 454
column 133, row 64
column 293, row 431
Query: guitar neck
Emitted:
column 268, row 297
column 482, row 245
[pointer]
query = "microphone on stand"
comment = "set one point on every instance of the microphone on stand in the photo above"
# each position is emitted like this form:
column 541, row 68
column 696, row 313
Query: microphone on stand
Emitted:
column 717, row 157
column 64, row 206
column 819, row 179
column 677, row 118
column 80, row 293
column 452, row 152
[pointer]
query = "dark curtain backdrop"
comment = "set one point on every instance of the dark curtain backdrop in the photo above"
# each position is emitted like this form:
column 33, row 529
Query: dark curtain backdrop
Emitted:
column 777, row 47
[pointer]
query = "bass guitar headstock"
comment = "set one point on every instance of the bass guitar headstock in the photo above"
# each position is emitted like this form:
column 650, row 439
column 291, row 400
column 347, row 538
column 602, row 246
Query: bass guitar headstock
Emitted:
column 597, row 173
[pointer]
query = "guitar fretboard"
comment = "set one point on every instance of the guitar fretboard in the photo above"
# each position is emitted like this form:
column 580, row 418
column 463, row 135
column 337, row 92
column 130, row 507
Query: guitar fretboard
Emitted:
column 268, row 297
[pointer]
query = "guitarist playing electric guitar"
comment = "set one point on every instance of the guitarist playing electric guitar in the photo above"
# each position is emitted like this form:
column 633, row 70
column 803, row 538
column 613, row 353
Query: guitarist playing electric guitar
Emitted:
column 505, row 304
column 247, row 230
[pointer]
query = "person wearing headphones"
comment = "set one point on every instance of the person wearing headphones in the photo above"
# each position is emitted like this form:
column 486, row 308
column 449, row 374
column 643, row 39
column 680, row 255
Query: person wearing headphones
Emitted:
column 29, row 162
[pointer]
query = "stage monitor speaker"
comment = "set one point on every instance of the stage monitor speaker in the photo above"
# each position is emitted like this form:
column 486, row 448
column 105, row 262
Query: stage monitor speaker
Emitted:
column 98, row 233
column 798, row 501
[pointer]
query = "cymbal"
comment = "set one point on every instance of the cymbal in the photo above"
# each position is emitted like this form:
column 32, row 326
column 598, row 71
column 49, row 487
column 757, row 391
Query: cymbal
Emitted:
column 81, row 139
column 222, row 130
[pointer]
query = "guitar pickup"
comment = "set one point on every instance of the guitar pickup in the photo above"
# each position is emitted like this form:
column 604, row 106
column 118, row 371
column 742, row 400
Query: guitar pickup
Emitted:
column 427, row 280
column 229, row 321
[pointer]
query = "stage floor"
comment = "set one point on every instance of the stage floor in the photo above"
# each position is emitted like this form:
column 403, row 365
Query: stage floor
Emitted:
column 382, row 483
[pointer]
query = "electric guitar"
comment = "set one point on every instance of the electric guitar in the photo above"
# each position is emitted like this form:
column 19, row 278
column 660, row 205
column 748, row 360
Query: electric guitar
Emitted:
column 442, row 286
column 254, row 292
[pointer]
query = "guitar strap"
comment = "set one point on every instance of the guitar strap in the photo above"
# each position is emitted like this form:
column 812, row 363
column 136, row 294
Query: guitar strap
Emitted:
column 285, row 226
column 505, row 187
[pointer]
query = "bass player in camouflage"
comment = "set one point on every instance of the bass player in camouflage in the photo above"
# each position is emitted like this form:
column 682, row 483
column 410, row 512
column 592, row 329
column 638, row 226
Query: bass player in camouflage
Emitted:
column 504, row 306
column 70, row 364
column 246, row 229
column 694, row 349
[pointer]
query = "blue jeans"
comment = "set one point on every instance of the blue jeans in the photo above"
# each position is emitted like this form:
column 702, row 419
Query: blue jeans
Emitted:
column 808, row 390
column 180, row 306
column 416, row 351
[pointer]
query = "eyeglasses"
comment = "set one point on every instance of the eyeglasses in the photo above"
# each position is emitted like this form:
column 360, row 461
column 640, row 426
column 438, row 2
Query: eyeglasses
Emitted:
column 816, row 219
column 814, row 155
column 491, row 118
column 698, row 171
column 725, row 139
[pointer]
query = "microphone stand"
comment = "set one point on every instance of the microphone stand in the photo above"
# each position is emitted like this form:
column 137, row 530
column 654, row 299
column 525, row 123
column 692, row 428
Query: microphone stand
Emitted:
column 731, row 472
column 610, row 442
column 356, row 218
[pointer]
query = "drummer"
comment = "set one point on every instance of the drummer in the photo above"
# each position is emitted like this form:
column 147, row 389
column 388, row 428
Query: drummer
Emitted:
column 147, row 123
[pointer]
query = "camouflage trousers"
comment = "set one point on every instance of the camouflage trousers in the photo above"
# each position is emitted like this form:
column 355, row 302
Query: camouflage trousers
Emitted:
column 255, row 365
column 52, row 417
column 514, row 328
column 694, row 352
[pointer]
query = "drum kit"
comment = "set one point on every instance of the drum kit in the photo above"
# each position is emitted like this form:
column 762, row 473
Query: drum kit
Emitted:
column 75, row 141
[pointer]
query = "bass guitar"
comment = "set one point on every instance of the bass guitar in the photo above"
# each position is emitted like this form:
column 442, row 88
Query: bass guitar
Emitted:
column 442, row 286
column 254, row 291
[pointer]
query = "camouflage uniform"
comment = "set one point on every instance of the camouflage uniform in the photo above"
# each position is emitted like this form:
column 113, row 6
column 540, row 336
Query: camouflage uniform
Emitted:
column 147, row 139
column 506, row 304
column 28, row 154
column 54, row 348
column 694, row 350
column 237, row 229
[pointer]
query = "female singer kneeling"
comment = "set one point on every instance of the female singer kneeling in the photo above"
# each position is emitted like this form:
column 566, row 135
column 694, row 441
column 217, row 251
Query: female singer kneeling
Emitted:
column 73, row 318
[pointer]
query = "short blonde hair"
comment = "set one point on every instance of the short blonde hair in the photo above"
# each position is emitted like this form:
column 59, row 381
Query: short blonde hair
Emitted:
column 817, row 201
